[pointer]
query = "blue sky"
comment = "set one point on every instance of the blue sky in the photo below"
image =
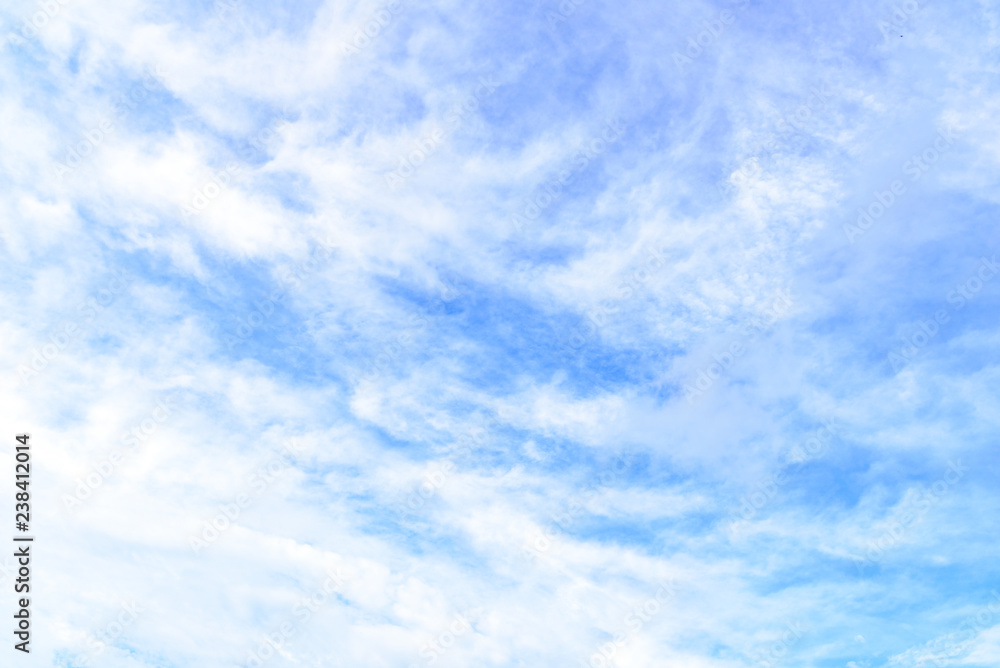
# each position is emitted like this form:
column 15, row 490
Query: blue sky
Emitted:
column 400, row 334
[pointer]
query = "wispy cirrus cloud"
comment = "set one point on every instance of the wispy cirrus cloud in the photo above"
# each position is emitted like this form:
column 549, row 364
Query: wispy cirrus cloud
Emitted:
column 465, row 255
